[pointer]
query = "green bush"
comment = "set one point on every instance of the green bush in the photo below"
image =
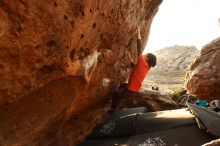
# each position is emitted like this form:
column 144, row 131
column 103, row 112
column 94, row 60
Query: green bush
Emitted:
column 177, row 94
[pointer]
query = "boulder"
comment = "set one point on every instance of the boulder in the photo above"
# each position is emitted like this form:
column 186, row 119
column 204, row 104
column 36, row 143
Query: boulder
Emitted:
column 203, row 79
column 59, row 59
column 42, row 41
column 152, row 100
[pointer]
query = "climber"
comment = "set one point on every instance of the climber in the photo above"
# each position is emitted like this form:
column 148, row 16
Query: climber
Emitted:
column 137, row 75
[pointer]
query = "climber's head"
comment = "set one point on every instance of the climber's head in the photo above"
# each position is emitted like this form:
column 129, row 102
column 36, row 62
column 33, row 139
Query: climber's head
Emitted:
column 151, row 59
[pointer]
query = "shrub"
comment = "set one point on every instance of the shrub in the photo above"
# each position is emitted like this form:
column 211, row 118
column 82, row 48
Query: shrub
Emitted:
column 177, row 94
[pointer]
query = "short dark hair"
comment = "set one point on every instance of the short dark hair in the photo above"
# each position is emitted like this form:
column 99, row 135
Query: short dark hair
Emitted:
column 151, row 59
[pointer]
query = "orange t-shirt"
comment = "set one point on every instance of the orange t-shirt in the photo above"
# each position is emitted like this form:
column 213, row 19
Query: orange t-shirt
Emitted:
column 138, row 74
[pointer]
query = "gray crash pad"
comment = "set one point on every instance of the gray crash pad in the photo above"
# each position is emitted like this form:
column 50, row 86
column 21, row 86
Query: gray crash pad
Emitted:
column 119, row 123
column 126, row 112
column 170, row 128
column 208, row 118
column 142, row 123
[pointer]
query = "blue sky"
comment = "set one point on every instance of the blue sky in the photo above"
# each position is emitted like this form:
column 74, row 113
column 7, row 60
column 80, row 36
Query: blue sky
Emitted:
column 184, row 22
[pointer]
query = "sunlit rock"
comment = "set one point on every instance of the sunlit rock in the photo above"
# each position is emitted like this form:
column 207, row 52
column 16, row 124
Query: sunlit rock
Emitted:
column 153, row 100
column 58, row 61
column 203, row 79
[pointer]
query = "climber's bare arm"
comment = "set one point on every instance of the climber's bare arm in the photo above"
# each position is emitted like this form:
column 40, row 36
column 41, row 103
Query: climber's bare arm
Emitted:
column 139, row 42
column 139, row 47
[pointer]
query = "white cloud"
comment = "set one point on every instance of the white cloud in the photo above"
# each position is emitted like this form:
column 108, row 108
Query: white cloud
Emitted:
column 184, row 22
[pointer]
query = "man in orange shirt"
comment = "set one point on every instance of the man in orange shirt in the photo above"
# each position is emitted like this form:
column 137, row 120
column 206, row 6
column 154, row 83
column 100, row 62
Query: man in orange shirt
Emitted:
column 138, row 73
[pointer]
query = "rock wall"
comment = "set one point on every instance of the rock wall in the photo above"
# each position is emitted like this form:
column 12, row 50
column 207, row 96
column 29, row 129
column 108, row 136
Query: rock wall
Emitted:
column 41, row 41
column 59, row 60
column 152, row 100
column 203, row 79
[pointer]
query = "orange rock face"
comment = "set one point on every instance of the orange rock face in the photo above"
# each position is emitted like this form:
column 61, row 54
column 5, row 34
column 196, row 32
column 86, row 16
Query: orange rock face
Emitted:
column 50, row 48
column 204, row 78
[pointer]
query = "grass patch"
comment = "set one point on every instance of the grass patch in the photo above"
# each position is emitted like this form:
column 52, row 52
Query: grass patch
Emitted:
column 177, row 94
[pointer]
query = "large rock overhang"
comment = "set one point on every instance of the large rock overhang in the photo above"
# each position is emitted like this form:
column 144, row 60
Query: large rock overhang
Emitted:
column 59, row 59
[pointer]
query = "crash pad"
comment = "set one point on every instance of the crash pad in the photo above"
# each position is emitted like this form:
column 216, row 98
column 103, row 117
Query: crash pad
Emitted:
column 207, row 117
column 138, row 123
column 165, row 128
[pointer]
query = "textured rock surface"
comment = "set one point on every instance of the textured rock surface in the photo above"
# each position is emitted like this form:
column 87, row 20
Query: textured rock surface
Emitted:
column 153, row 100
column 44, row 42
column 203, row 79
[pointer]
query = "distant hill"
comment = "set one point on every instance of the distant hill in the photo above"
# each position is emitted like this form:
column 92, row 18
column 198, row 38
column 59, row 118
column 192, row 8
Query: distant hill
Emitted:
column 172, row 64
column 175, row 58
